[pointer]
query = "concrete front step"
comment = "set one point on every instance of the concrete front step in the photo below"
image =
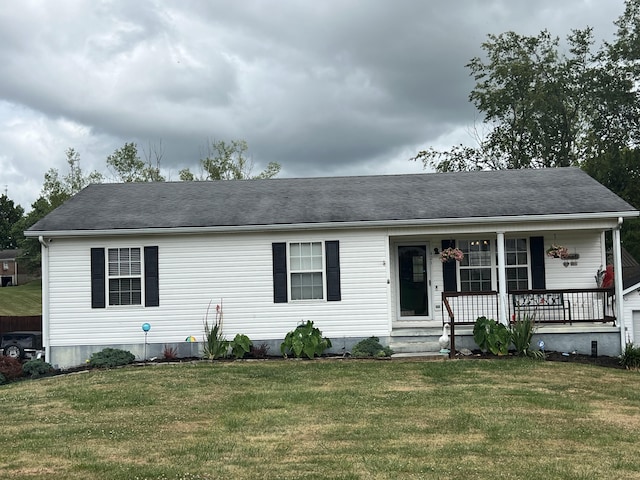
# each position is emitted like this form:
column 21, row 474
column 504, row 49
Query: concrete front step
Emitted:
column 415, row 341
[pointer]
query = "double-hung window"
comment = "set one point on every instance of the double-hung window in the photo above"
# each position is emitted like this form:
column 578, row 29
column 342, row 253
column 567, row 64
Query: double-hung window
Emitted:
column 125, row 276
column 475, row 268
column 517, row 264
column 306, row 270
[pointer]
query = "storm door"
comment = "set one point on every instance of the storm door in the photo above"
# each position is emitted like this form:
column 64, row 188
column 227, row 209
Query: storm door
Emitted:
column 412, row 280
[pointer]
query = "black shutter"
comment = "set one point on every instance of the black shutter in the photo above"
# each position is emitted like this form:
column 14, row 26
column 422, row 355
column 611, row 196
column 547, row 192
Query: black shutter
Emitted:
column 151, row 283
column 449, row 269
column 97, row 278
column 536, row 249
column 332, row 250
column 279, row 272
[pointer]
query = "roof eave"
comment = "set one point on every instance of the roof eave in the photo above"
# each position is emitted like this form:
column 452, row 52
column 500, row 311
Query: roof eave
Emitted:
column 334, row 225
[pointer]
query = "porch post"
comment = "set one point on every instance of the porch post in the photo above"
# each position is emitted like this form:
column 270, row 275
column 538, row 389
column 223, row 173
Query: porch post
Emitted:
column 617, row 283
column 502, row 281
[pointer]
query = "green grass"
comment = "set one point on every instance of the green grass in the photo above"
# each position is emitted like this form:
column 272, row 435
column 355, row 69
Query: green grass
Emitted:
column 326, row 419
column 21, row 300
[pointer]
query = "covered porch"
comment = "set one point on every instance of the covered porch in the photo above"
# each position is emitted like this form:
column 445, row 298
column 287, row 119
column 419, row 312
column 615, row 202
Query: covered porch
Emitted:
column 507, row 274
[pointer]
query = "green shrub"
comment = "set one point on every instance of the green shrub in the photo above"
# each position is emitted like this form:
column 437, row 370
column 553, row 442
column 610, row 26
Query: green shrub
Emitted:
column 2, row 379
column 630, row 358
column 522, row 330
column 305, row 339
column 111, row 357
column 215, row 345
column 10, row 368
column 36, row 368
column 240, row 345
column 370, row 347
column 491, row 336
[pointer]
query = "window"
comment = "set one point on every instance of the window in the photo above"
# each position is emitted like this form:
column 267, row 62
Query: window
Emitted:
column 306, row 270
column 517, row 264
column 5, row 266
column 475, row 267
column 117, row 277
column 478, row 270
column 125, row 276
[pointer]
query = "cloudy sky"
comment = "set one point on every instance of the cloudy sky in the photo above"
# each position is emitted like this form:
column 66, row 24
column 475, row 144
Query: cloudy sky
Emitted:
column 333, row 87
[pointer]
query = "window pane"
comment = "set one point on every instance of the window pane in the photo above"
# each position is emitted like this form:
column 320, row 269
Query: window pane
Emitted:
column 306, row 286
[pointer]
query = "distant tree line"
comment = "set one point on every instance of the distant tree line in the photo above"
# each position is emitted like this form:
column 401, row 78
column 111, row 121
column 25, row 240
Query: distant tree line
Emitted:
column 223, row 161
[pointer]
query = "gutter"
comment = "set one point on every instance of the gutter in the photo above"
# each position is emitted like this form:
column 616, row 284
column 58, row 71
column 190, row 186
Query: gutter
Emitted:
column 612, row 216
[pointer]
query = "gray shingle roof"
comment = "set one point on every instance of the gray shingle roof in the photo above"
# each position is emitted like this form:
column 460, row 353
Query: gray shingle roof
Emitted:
column 286, row 201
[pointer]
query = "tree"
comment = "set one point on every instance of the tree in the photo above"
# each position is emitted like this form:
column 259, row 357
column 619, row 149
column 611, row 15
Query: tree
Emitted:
column 127, row 166
column 10, row 214
column 228, row 161
column 544, row 107
column 56, row 189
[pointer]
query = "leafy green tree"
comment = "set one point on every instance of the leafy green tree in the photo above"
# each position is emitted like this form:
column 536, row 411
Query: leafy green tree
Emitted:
column 127, row 166
column 228, row 161
column 56, row 189
column 10, row 214
column 619, row 170
column 545, row 106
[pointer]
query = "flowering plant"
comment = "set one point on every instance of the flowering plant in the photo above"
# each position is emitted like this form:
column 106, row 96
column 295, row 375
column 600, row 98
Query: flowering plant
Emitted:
column 451, row 254
column 557, row 251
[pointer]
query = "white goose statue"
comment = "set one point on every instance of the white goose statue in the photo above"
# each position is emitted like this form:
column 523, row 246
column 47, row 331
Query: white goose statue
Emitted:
column 444, row 339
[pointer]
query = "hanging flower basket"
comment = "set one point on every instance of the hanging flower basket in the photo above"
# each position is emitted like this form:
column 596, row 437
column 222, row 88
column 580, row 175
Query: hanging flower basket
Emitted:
column 449, row 254
column 558, row 251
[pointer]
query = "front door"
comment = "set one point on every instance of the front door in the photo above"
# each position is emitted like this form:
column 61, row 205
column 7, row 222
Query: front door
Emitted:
column 412, row 280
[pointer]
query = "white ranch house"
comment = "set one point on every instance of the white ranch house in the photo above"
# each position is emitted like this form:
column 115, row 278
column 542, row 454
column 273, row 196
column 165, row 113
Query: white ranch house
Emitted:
column 360, row 256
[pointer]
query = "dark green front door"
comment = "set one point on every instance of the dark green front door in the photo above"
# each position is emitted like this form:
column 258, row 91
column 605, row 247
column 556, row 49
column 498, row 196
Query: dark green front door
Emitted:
column 412, row 270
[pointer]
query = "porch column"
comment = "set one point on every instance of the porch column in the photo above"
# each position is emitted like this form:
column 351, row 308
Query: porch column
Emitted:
column 502, row 281
column 617, row 283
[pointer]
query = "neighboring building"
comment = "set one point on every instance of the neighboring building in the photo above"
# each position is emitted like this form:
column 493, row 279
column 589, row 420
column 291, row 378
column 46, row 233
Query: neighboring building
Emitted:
column 631, row 285
column 9, row 267
column 360, row 256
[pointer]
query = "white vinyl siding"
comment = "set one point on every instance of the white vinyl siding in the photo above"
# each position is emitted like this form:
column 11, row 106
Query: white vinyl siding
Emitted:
column 234, row 270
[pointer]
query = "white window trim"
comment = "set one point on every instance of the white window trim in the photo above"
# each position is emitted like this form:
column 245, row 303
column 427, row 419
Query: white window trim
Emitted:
column 493, row 252
column 528, row 252
column 492, row 267
column 290, row 271
column 109, row 277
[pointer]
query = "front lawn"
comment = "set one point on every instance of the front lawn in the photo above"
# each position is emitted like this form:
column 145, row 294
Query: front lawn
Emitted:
column 326, row 419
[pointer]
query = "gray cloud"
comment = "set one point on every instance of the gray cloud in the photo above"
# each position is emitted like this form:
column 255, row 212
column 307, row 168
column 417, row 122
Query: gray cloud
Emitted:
column 331, row 88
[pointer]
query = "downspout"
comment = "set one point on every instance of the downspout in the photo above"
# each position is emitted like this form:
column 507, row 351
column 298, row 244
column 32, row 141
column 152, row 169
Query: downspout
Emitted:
column 502, row 281
column 44, row 253
column 617, row 283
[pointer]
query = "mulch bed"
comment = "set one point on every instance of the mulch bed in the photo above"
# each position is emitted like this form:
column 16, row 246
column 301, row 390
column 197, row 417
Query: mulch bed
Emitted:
column 602, row 361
